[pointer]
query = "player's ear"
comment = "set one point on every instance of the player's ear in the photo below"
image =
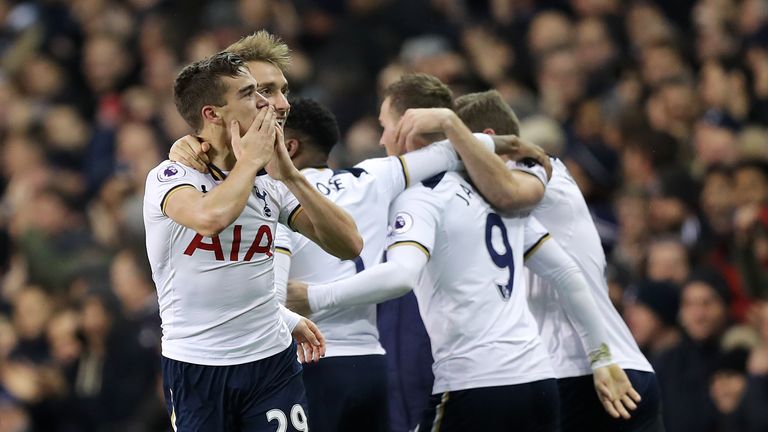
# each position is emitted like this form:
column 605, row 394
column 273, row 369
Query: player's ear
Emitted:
column 489, row 131
column 292, row 145
column 212, row 114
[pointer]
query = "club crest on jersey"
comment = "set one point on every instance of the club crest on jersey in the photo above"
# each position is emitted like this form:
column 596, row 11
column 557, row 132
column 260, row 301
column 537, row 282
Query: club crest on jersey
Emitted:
column 263, row 196
column 403, row 222
column 170, row 172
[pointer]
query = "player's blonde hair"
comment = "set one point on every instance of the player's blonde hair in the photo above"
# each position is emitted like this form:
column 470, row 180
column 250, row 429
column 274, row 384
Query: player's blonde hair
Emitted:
column 263, row 46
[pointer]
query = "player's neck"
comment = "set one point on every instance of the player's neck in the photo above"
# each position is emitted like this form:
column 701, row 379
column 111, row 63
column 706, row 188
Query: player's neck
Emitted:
column 310, row 160
column 220, row 154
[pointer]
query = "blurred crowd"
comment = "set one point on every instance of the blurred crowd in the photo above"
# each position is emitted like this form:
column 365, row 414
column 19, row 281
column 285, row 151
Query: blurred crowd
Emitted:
column 659, row 108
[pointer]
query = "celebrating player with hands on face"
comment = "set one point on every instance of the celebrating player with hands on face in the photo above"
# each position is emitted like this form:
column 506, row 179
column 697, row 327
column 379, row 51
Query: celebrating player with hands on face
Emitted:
column 228, row 358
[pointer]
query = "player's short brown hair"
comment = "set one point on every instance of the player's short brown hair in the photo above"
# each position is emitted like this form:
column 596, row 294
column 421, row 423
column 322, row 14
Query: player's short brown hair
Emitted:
column 418, row 90
column 483, row 110
column 263, row 46
column 201, row 84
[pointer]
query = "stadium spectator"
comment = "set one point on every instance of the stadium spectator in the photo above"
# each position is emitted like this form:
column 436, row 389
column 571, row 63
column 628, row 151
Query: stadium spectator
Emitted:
column 685, row 370
column 652, row 316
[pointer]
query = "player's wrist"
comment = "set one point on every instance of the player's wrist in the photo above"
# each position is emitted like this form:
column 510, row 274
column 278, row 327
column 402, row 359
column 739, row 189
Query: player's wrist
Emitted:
column 450, row 122
column 292, row 175
column 600, row 357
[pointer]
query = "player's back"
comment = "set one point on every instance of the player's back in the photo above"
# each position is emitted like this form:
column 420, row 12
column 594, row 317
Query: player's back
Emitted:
column 474, row 309
column 365, row 192
column 565, row 214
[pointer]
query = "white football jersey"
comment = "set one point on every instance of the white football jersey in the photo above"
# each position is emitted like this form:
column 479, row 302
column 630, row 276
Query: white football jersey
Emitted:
column 564, row 213
column 216, row 295
column 365, row 192
column 474, row 306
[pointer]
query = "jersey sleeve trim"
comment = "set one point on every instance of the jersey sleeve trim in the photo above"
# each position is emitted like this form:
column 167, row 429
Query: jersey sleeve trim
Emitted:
column 404, row 166
column 531, row 250
column 171, row 191
column 217, row 173
column 414, row 243
column 283, row 250
column 294, row 213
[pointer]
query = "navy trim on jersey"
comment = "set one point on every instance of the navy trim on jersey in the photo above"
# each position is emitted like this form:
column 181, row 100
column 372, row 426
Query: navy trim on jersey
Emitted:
column 357, row 172
column 283, row 250
column 168, row 194
column 359, row 264
column 293, row 215
column 216, row 173
column 219, row 175
column 433, row 181
column 531, row 250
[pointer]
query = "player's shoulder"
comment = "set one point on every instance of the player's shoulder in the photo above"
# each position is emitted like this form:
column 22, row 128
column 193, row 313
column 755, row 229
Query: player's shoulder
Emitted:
column 532, row 167
column 316, row 173
column 562, row 182
column 432, row 188
column 171, row 172
column 265, row 182
column 376, row 166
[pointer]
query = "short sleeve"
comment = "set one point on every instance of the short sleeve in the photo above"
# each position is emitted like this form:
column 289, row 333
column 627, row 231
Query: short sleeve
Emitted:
column 535, row 235
column 284, row 240
column 390, row 174
column 531, row 167
column 162, row 182
column 289, row 205
column 414, row 218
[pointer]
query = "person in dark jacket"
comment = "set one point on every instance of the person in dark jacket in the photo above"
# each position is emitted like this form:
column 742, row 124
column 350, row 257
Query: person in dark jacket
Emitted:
column 685, row 370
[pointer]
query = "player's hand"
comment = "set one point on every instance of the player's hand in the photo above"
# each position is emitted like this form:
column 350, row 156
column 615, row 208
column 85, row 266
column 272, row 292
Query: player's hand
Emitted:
column 615, row 391
column 418, row 121
column 281, row 166
column 297, row 299
column 517, row 149
column 310, row 341
column 257, row 145
column 192, row 152
column 527, row 149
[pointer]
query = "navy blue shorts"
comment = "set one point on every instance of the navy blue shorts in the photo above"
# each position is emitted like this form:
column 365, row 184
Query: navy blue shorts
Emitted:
column 265, row 395
column 347, row 393
column 409, row 361
column 525, row 407
column 581, row 409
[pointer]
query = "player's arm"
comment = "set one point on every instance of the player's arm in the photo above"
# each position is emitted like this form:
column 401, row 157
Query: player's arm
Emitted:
column 419, row 165
column 373, row 285
column 549, row 261
column 282, row 260
column 503, row 189
column 209, row 213
column 318, row 218
column 415, row 215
